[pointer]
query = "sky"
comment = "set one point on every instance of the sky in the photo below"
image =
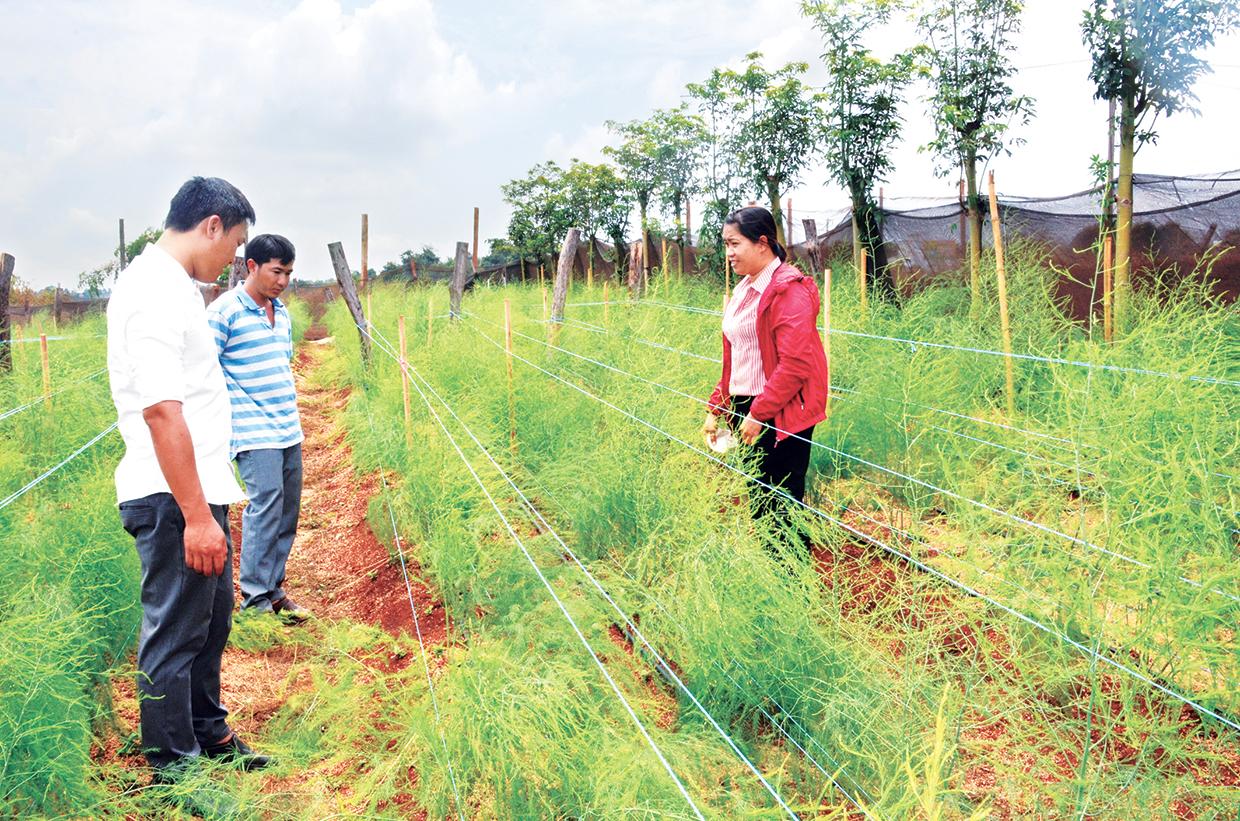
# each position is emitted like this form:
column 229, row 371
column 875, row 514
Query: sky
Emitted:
column 416, row 111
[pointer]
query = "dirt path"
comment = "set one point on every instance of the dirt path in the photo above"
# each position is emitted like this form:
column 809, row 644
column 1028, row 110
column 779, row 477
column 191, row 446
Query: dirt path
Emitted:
column 338, row 569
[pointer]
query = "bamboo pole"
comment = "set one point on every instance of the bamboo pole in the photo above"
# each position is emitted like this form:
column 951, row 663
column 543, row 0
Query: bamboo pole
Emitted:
column 512, row 402
column 826, row 330
column 404, row 382
column 47, row 369
column 1004, row 320
column 1108, row 320
column 861, row 282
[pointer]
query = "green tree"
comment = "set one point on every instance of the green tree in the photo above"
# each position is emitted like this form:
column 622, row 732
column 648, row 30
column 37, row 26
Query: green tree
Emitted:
column 94, row 282
column 780, row 128
column 972, row 100
column 540, row 212
column 725, row 180
column 599, row 201
column 863, row 116
column 499, row 252
column 639, row 157
column 1144, row 58
column 682, row 139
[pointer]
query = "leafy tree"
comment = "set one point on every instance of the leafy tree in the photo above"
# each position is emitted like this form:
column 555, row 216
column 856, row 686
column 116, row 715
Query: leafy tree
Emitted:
column 540, row 212
column 780, row 126
column 640, row 159
column 94, row 282
column 426, row 257
column 499, row 252
column 682, row 138
column 1144, row 58
column 864, row 96
column 599, row 201
column 972, row 99
column 725, row 179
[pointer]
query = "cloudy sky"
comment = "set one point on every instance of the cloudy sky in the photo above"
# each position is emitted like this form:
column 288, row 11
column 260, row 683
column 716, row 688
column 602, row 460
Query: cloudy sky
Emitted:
column 415, row 111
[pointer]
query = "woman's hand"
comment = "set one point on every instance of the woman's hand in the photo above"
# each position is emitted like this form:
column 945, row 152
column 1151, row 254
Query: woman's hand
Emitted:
column 750, row 430
column 711, row 426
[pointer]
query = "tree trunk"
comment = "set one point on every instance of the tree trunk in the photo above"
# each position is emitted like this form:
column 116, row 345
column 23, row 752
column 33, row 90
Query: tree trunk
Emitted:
column 973, row 216
column 772, row 193
column 617, row 239
column 677, row 199
column 1123, row 225
column 642, row 203
column 878, row 275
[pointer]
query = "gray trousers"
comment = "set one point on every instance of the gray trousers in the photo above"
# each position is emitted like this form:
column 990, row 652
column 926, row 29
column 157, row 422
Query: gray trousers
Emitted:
column 186, row 618
column 272, row 479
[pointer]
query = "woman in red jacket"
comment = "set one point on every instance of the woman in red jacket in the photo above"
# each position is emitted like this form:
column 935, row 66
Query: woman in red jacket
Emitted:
column 774, row 384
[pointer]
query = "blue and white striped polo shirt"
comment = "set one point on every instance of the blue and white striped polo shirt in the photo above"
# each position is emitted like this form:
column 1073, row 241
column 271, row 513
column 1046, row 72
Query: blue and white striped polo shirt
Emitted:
column 255, row 358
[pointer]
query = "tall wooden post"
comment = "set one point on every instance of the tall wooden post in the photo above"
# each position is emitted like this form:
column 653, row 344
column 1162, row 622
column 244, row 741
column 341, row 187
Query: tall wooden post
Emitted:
column 237, row 272
column 1108, row 320
column 1004, row 321
column 688, row 222
column 475, row 239
column 365, row 250
column 121, row 259
column 344, row 276
column 563, row 273
column 7, row 264
column 413, row 270
column 458, row 279
column 512, row 398
column 811, row 244
column 826, row 330
column 861, row 281
column 56, row 309
column 404, row 381
column 788, row 208
column 47, row 368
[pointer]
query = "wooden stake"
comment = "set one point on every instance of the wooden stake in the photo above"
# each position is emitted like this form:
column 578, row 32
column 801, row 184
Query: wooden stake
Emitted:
column 404, row 382
column 475, row 238
column 826, row 330
column 365, row 250
column 430, row 320
column 1108, row 321
column 120, row 255
column 688, row 222
column 344, row 277
column 727, row 275
column 47, row 370
column 606, row 304
column 564, row 273
column 1004, row 321
column 458, row 280
column 512, row 402
column 6, row 332
column 861, row 272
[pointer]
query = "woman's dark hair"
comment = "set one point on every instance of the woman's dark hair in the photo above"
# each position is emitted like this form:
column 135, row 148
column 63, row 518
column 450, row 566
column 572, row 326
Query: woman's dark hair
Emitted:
column 754, row 223
column 202, row 197
column 266, row 247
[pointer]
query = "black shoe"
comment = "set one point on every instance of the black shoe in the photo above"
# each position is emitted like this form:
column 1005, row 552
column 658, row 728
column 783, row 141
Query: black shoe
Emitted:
column 182, row 786
column 237, row 751
column 290, row 610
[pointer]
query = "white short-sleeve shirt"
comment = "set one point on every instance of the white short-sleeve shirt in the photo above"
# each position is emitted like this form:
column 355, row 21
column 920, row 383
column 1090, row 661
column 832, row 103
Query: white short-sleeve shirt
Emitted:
column 160, row 348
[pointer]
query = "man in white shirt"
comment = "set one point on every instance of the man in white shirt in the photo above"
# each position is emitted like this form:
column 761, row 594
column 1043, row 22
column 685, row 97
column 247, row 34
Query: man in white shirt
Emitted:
column 175, row 481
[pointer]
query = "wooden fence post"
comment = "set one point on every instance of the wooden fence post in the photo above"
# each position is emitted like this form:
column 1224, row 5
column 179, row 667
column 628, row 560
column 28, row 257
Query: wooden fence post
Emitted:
column 1108, row 318
column 688, row 222
column 811, row 244
column 56, row 309
column 512, row 398
column 365, row 250
column 236, row 272
column 458, row 279
column 404, row 382
column 120, row 253
column 861, row 272
column 475, row 239
column 344, row 275
column 606, row 304
column 663, row 263
column 47, row 369
column 7, row 264
column 826, row 330
column 430, row 320
column 1004, row 321
column 563, row 273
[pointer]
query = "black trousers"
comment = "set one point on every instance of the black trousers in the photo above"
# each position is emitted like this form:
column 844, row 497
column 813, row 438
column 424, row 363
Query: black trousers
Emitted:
column 782, row 466
column 186, row 618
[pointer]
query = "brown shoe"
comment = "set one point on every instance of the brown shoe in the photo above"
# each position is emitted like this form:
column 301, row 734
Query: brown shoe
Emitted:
column 290, row 610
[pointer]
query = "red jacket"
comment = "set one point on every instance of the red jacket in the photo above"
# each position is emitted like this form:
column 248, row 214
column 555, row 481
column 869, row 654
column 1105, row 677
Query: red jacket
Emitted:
column 793, row 360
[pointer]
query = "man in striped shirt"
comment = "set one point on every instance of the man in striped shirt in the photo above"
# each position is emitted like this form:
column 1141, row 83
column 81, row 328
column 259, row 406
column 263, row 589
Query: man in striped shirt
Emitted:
column 254, row 338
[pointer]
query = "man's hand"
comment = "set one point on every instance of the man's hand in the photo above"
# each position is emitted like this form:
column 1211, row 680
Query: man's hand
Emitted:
column 205, row 547
column 750, row 430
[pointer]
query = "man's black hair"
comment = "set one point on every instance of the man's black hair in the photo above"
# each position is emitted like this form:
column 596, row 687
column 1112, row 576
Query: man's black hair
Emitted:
column 266, row 247
column 202, row 197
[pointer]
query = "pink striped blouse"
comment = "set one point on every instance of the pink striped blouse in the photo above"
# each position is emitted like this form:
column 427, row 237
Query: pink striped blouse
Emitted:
column 740, row 326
